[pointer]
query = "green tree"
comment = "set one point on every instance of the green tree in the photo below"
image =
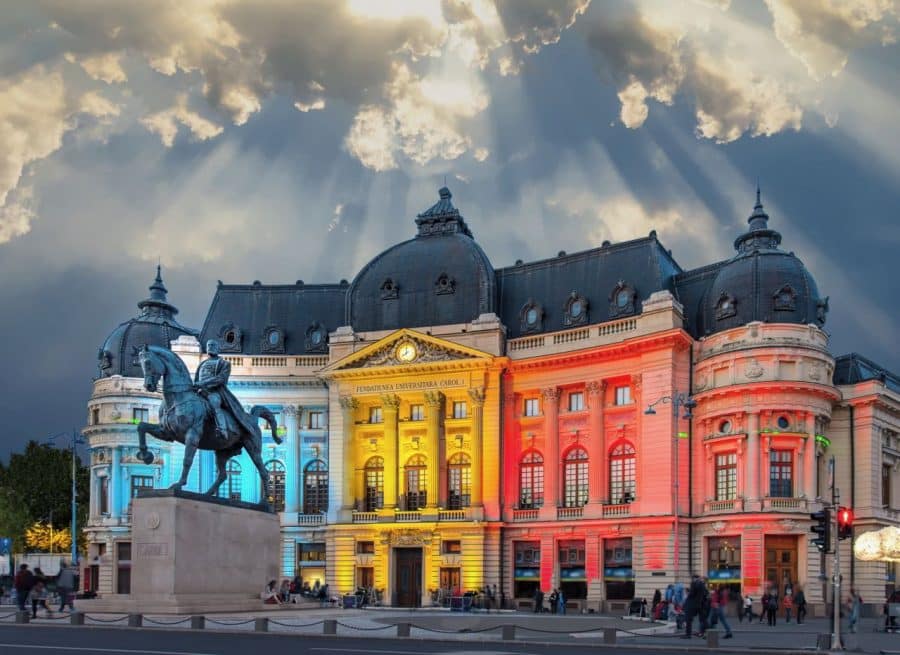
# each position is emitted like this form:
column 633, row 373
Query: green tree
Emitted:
column 38, row 483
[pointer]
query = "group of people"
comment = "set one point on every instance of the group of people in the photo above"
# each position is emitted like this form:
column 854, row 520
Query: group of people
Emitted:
column 770, row 603
column 275, row 594
column 31, row 587
column 556, row 599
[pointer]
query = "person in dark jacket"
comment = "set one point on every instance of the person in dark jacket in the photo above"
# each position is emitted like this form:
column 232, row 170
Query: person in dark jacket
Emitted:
column 553, row 598
column 800, row 602
column 65, row 585
column 697, row 598
column 538, row 601
column 772, row 606
column 23, row 583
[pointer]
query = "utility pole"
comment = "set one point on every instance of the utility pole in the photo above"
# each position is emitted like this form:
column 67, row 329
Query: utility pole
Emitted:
column 836, row 573
column 74, row 506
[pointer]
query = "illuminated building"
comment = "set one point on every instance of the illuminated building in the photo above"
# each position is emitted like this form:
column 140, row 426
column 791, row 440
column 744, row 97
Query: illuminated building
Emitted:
column 449, row 425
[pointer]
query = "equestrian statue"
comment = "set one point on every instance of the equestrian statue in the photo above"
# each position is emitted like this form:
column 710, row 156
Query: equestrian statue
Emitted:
column 202, row 413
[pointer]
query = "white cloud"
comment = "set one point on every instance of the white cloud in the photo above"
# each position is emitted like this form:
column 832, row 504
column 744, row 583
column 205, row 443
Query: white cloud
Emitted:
column 372, row 138
column 240, row 102
column 316, row 105
column 165, row 124
column 96, row 105
column 16, row 215
column 106, row 67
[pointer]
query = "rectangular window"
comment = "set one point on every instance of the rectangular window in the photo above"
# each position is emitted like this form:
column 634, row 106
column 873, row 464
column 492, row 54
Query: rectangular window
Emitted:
column 459, row 409
column 104, row 495
column 532, row 407
column 95, row 416
column 123, row 567
column 886, row 484
column 527, row 568
column 365, row 547
column 572, row 576
column 312, row 552
column 576, row 401
column 618, row 574
column 316, row 420
column 139, row 482
column 375, row 415
column 724, row 563
column 140, row 415
column 417, row 412
column 726, row 476
column 781, row 474
column 623, row 395
column 451, row 547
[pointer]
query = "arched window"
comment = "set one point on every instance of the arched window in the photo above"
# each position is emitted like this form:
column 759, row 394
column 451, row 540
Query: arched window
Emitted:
column 531, row 480
column 575, row 478
column 276, row 484
column 374, row 472
column 231, row 488
column 459, row 481
column 621, row 473
column 315, row 487
column 416, row 482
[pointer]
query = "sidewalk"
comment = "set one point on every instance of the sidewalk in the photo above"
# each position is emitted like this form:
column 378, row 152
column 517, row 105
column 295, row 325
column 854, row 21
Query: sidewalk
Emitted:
column 453, row 626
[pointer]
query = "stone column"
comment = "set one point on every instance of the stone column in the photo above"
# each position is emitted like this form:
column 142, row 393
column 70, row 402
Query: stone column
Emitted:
column 552, row 464
column 348, row 415
column 598, row 483
column 115, row 481
column 390, row 404
column 512, row 446
column 292, row 484
column 434, row 402
column 809, row 459
column 477, row 396
column 753, row 455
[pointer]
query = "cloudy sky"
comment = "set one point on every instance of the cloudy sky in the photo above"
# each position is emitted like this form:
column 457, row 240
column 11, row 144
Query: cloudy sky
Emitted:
column 282, row 140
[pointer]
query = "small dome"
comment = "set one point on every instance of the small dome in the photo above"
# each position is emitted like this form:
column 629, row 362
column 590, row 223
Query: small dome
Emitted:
column 440, row 277
column 761, row 283
column 155, row 325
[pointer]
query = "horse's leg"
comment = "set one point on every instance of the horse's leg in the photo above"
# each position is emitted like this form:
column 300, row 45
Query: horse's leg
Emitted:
column 222, row 457
column 191, row 442
column 143, row 429
column 253, row 446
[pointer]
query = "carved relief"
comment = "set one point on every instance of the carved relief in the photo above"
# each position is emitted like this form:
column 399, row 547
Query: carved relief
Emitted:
column 477, row 396
column 407, row 537
column 753, row 369
column 701, row 381
column 815, row 372
column 348, row 402
column 390, row 401
column 434, row 399
column 427, row 352
column 230, row 336
column 551, row 394
column 290, row 411
column 718, row 526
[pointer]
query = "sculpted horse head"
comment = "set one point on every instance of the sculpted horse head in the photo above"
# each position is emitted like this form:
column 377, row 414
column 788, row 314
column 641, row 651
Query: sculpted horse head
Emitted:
column 159, row 363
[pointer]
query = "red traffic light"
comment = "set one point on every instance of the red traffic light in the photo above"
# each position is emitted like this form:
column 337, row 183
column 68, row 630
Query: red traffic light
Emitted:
column 845, row 522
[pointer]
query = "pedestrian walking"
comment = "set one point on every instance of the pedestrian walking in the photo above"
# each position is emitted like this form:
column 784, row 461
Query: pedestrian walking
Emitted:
column 772, row 606
column 38, row 593
column 788, row 607
column 552, row 598
column 23, row 583
column 748, row 608
column 538, row 601
column 853, row 606
column 763, row 606
column 718, row 602
column 693, row 605
column 65, row 585
column 561, row 602
column 800, row 603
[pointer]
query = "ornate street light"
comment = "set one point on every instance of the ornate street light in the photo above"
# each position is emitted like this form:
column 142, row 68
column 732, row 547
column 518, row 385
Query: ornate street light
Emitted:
column 678, row 401
column 74, row 440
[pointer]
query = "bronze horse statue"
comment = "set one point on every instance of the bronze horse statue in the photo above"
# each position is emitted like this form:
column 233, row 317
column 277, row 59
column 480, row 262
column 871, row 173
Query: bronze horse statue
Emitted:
column 186, row 417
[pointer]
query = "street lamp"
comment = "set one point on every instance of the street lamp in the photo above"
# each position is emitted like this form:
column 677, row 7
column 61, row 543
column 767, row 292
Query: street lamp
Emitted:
column 677, row 401
column 74, row 440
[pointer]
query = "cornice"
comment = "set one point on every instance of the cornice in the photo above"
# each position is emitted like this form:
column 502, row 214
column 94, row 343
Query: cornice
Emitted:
column 826, row 391
column 277, row 384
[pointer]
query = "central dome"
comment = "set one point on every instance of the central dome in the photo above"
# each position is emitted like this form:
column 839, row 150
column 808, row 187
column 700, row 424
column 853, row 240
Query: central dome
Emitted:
column 440, row 277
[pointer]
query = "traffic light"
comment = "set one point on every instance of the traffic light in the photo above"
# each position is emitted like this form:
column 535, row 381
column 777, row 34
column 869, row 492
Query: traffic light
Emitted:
column 845, row 523
column 822, row 528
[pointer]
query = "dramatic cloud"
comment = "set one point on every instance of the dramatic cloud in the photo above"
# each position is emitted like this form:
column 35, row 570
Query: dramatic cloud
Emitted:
column 821, row 33
column 105, row 67
column 165, row 124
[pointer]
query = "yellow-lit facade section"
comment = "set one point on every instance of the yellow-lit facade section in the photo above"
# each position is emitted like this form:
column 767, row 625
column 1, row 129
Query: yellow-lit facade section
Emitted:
column 416, row 506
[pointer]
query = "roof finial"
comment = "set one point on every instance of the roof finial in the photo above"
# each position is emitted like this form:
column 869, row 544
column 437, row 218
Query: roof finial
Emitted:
column 758, row 204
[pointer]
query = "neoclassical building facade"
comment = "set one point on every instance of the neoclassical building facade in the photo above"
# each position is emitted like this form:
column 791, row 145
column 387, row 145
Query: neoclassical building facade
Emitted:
column 604, row 422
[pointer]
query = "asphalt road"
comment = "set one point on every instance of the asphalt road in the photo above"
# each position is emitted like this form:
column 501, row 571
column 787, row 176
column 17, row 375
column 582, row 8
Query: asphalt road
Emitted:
column 38, row 640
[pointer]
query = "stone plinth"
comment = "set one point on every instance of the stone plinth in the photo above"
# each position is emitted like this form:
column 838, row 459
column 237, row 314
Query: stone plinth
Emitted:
column 192, row 553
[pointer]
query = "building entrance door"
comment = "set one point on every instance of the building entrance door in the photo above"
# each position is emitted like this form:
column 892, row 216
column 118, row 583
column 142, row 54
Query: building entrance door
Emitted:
column 781, row 563
column 408, row 576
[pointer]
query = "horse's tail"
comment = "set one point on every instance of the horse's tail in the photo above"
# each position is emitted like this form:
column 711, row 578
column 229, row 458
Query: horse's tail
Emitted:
column 261, row 411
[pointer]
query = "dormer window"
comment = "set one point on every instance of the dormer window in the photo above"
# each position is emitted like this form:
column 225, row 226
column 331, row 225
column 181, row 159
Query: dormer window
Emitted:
column 575, row 310
column 390, row 290
column 531, row 317
column 621, row 300
column 273, row 340
column 316, row 338
column 230, row 336
column 785, row 299
column 726, row 306
column 444, row 285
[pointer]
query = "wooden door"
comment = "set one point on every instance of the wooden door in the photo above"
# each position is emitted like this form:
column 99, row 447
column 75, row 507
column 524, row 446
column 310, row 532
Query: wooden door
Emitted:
column 781, row 563
column 408, row 577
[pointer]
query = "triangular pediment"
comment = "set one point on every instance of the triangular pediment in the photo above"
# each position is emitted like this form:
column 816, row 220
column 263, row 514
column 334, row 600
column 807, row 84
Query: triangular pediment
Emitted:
column 406, row 348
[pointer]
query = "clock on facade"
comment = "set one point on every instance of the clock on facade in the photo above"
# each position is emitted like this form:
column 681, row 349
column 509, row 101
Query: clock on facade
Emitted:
column 406, row 351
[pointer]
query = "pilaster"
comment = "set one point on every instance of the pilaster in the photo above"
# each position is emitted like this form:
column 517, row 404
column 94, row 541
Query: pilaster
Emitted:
column 477, row 396
column 349, row 404
column 551, row 437
column 598, row 484
column 390, row 405
column 434, row 401
column 292, row 487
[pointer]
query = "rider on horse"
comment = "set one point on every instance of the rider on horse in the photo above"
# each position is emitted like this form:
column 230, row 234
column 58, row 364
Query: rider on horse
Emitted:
column 211, row 381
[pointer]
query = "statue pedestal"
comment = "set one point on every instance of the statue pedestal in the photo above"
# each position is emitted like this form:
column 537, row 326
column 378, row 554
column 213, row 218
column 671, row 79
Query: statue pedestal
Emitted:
column 191, row 553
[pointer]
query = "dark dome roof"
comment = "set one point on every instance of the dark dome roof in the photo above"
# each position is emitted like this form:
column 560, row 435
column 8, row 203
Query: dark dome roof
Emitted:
column 439, row 277
column 761, row 283
column 155, row 325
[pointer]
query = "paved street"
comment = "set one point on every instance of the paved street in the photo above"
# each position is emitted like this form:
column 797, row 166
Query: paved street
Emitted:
column 363, row 631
